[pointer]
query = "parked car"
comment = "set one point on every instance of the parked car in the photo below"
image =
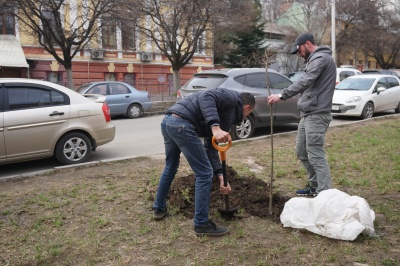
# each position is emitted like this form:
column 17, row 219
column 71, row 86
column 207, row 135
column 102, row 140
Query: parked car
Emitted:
column 122, row 98
column 253, row 80
column 40, row 119
column 345, row 72
column 380, row 71
column 364, row 95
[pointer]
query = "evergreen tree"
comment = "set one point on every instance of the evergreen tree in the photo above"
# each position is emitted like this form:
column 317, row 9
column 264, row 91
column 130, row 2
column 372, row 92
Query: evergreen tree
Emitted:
column 249, row 45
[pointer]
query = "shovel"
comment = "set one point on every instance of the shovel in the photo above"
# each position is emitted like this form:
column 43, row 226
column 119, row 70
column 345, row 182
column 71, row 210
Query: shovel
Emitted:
column 222, row 149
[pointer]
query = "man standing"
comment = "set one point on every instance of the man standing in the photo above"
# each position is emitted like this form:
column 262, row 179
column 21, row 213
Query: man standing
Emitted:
column 203, row 114
column 316, row 87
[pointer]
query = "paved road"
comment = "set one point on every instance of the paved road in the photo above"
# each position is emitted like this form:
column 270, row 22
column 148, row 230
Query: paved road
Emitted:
column 135, row 137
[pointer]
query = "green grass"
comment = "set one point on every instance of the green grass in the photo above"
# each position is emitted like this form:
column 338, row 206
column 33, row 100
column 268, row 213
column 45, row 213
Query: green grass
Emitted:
column 101, row 215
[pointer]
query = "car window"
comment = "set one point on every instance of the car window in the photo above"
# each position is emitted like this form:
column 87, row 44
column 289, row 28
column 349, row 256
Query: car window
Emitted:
column 25, row 98
column 256, row 80
column 278, row 81
column 345, row 74
column 356, row 84
column 117, row 88
column 380, row 83
column 240, row 79
column 98, row 89
column 392, row 82
column 205, row 81
column 1, row 99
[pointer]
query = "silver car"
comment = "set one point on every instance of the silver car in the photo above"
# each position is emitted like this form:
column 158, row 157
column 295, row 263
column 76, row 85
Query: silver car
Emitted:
column 122, row 98
column 253, row 80
column 39, row 119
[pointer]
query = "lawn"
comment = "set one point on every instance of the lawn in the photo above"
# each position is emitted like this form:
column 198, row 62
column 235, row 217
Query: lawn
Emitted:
column 101, row 214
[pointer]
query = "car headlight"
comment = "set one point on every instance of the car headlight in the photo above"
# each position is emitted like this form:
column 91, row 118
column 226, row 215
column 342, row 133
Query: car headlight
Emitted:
column 354, row 99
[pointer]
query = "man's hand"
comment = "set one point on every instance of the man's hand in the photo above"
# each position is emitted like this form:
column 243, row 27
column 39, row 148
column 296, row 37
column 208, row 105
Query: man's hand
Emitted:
column 273, row 98
column 223, row 189
column 220, row 135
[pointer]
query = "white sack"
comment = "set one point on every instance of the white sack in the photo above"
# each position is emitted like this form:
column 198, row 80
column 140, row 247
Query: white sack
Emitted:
column 332, row 213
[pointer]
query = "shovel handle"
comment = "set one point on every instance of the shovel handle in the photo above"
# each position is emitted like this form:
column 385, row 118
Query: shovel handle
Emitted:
column 221, row 149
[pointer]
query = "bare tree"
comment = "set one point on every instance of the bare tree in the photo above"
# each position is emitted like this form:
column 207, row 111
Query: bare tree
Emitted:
column 369, row 27
column 177, row 28
column 309, row 16
column 45, row 21
column 380, row 35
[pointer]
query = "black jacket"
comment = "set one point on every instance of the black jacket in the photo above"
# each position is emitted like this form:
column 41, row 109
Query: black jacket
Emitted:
column 206, row 108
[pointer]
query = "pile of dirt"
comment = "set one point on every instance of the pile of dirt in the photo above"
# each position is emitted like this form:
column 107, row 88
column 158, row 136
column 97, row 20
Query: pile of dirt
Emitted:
column 249, row 194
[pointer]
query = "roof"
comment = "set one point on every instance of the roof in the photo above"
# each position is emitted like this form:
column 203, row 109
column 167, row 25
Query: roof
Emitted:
column 11, row 53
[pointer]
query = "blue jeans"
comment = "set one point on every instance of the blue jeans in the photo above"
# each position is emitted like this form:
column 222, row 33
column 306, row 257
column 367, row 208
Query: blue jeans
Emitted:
column 181, row 136
column 310, row 149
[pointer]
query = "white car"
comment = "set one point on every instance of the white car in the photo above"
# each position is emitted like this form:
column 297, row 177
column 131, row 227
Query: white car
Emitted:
column 345, row 72
column 364, row 95
column 39, row 119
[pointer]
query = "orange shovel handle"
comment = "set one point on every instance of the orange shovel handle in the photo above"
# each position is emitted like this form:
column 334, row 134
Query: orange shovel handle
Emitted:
column 221, row 149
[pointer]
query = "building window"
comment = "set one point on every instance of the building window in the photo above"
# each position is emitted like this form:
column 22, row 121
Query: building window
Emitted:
column 7, row 21
column 200, row 43
column 109, row 33
column 130, row 78
column 110, row 77
column 54, row 77
column 129, row 36
column 50, row 26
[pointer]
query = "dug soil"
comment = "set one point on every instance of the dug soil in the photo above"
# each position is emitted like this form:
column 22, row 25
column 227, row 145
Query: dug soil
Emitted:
column 250, row 197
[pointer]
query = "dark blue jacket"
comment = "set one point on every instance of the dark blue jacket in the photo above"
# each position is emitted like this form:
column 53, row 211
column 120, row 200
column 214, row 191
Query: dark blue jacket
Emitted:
column 205, row 108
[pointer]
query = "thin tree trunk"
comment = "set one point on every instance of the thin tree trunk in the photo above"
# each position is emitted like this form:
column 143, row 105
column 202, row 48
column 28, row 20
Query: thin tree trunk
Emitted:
column 70, row 80
column 177, row 80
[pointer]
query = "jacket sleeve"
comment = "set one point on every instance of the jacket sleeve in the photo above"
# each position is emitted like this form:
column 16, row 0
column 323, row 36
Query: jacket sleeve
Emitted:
column 313, row 70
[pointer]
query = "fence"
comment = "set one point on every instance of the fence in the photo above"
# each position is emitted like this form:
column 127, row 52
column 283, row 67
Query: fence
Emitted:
column 157, row 91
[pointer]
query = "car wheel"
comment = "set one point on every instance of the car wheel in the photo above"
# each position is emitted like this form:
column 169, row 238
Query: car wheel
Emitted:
column 73, row 148
column 135, row 111
column 397, row 110
column 244, row 130
column 368, row 111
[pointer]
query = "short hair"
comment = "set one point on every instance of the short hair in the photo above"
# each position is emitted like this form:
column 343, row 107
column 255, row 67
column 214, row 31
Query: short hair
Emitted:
column 248, row 99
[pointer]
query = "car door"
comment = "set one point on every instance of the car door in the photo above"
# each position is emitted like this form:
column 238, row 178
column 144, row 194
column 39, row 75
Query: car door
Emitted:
column 34, row 116
column 2, row 146
column 382, row 99
column 119, row 97
column 394, row 92
column 284, row 110
column 255, row 83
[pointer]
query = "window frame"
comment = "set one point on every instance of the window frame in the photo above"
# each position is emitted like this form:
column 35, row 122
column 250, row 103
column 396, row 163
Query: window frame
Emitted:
column 33, row 105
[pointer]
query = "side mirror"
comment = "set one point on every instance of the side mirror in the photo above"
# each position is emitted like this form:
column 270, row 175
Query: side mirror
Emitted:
column 380, row 89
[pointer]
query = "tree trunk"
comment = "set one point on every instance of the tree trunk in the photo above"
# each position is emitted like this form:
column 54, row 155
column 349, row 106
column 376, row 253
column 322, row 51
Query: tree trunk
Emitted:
column 70, row 80
column 177, row 80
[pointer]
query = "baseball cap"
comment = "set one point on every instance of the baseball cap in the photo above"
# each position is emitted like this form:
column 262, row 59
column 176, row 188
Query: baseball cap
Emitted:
column 300, row 40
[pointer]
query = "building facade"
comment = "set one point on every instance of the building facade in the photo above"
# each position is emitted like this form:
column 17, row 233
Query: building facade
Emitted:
column 116, row 54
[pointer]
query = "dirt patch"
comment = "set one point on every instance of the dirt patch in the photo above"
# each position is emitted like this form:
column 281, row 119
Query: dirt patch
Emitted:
column 250, row 195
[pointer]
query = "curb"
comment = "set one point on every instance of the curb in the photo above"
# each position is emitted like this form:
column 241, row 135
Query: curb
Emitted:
column 95, row 163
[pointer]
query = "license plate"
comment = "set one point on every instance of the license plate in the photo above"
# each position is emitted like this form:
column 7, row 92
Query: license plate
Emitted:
column 335, row 107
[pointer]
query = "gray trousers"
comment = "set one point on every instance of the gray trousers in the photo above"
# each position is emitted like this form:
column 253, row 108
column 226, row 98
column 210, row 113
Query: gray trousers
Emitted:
column 310, row 149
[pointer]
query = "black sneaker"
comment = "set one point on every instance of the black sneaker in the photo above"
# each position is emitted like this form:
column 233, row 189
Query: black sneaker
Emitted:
column 307, row 192
column 159, row 214
column 210, row 229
